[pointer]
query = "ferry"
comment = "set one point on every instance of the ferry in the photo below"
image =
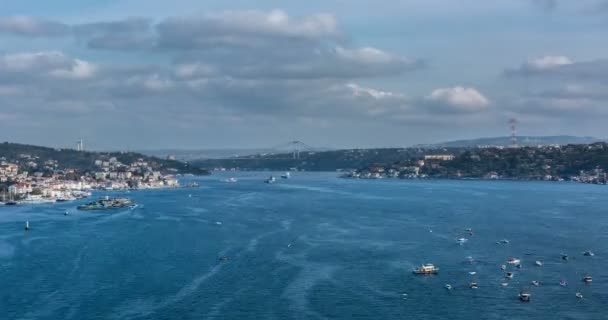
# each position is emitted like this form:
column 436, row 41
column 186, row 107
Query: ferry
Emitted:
column 426, row 269
column 107, row 203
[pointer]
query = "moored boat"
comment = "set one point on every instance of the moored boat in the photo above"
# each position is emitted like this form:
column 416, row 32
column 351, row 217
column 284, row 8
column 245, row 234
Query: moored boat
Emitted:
column 587, row 279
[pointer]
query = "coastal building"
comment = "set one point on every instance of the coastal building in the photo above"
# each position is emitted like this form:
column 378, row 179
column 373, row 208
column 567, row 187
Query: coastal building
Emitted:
column 442, row 157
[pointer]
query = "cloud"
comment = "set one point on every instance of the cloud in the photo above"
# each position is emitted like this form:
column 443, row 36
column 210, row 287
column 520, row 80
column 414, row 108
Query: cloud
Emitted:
column 246, row 28
column 32, row 27
column 458, row 99
column 46, row 63
column 127, row 34
column 562, row 68
column 547, row 62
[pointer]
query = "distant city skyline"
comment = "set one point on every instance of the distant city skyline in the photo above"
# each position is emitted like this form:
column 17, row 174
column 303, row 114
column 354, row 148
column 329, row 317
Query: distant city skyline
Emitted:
column 186, row 74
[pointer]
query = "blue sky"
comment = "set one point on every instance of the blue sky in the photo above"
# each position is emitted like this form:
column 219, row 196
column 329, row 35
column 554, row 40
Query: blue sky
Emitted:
column 334, row 73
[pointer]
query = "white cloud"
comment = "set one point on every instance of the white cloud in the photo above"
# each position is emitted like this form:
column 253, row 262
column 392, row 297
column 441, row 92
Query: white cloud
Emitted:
column 360, row 91
column 460, row 98
column 80, row 69
column 548, row 62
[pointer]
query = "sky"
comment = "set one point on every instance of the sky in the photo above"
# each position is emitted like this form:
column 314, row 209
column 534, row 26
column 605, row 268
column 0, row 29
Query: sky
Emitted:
column 188, row 74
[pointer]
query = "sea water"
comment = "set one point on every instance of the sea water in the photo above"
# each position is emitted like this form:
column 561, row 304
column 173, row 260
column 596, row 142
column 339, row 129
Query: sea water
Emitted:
column 310, row 247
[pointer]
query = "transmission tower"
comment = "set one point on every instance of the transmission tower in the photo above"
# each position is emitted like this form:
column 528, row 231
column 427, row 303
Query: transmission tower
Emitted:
column 513, row 126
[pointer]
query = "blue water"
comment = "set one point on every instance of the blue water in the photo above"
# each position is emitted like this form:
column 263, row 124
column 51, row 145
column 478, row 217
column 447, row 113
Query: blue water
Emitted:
column 312, row 247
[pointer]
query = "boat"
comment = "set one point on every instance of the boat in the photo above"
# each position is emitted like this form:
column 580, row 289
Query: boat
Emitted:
column 509, row 275
column 538, row 263
column 224, row 258
column 462, row 241
column 473, row 285
column 503, row 267
column 504, row 241
column 513, row 261
column 518, row 266
column 270, row 180
column 472, row 273
column 107, row 203
column 231, row 180
column 66, row 213
column 11, row 203
column 536, row 283
column 565, row 257
column 563, row 283
column 588, row 253
column 448, row 286
column 426, row 269
column 27, row 225
column 504, row 284
column 579, row 295
column 286, row 175
column 587, row 279
column 524, row 296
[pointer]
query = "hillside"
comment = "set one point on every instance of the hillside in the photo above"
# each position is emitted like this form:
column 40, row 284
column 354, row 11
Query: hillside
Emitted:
column 321, row 161
column 521, row 141
column 85, row 161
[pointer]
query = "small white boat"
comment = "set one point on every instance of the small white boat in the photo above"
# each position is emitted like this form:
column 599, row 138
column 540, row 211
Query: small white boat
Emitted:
column 513, row 261
column 426, row 269
column 231, row 180
column 505, row 284
column 219, row 223
column 587, row 279
column 448, row 286
column 472, row 273
column 462, row 241
column 509, row 275
column 66, row 213
column 27, row 225
column 525, row 296
column 536, row 283
column 538, row 263
column 473, row 285
column 563, row 283
column 270, row 180
column 504, row 241
column 286, row 175
column 588, row 253
column 579, row 295
column 503, row 267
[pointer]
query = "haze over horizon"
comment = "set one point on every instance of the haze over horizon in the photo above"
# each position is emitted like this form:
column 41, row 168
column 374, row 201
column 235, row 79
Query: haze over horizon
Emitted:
column 148, row 74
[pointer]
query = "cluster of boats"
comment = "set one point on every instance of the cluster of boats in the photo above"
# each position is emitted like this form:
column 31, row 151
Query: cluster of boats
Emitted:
column 272, row 179
column 524, row 295
column 39, row 199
